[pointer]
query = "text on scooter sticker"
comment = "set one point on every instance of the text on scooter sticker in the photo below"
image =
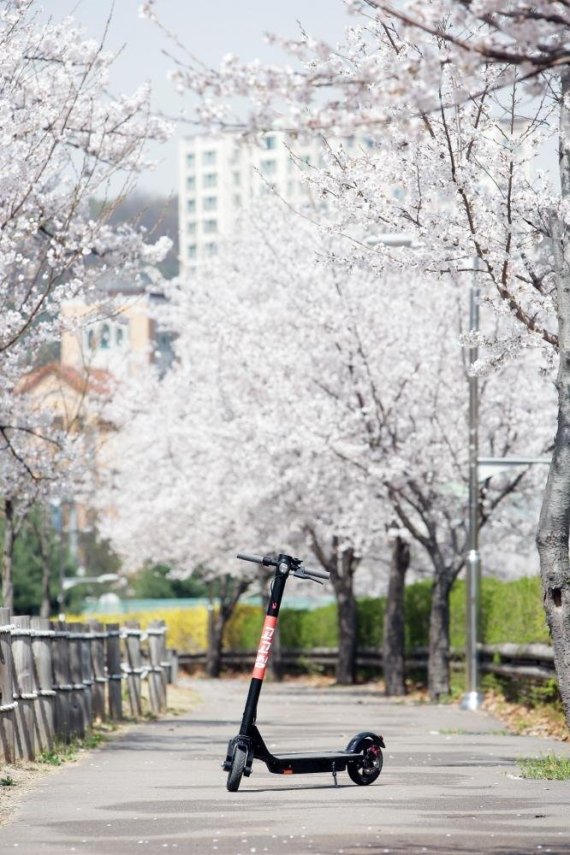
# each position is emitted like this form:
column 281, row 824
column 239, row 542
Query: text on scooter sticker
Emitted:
column 264, row 648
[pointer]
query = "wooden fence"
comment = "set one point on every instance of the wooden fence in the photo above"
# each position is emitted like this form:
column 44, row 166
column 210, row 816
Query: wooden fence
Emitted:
column 57, row 678
column 514, row 661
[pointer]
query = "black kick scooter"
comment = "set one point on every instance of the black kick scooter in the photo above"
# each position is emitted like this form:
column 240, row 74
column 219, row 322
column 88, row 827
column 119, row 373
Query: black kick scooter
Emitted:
column 362, row 757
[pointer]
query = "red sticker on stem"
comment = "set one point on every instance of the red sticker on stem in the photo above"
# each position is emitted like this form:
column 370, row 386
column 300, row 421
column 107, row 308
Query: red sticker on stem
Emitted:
column 267, row 635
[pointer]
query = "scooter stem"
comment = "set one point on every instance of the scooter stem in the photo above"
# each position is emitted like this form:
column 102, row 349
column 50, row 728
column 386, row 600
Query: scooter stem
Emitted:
column 264, row 648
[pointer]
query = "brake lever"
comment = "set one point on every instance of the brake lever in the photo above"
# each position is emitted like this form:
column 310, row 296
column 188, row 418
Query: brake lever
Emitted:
column 301, row 573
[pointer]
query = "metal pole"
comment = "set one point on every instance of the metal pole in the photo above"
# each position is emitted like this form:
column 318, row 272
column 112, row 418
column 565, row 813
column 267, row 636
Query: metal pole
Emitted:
column 472, row 698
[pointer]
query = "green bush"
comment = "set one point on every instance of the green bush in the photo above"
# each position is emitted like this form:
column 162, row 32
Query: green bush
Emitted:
column 244, row 627
column 371, row 621
column 510, row 612
column 417, row 605
column 513, row 611
column 291, row 628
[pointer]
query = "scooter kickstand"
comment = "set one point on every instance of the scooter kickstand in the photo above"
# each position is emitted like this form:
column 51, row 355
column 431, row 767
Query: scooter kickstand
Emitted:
column 334, row 774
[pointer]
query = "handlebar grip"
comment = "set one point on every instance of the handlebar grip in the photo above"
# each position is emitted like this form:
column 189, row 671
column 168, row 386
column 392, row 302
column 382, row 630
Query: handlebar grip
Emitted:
column 245, row 556
column 318, row 574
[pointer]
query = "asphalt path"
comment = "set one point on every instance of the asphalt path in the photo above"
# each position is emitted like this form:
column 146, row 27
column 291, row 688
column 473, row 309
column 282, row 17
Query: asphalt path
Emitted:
column 450, row 784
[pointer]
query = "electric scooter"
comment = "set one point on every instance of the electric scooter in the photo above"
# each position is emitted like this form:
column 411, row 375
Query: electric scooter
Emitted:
column 362, row 758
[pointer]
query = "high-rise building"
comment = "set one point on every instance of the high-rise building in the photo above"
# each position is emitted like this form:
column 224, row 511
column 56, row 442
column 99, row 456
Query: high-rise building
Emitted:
column 221, row 174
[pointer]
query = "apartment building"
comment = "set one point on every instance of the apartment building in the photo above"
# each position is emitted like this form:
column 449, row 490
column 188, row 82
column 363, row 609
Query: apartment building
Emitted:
column 221, row 174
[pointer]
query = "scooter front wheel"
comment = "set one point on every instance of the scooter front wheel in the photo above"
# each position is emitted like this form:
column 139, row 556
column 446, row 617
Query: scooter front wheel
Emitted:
column 235, row 774
column 366, row 769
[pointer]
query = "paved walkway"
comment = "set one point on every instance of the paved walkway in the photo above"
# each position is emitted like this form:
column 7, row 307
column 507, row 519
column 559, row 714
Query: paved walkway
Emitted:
column 450, row 785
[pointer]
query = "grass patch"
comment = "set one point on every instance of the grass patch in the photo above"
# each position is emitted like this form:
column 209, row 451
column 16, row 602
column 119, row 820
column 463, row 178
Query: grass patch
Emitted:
column 550, row 767
column 67, row 752
column 7, row 781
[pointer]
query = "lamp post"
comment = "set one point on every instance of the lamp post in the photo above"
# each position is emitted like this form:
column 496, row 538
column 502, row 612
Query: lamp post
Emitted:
column 472, row 698
column 480, row 468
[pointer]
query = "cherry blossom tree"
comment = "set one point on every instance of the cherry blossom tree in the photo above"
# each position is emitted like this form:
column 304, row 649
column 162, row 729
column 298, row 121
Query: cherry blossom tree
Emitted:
column 63, row 139
column 311, row 403
column 436, row 88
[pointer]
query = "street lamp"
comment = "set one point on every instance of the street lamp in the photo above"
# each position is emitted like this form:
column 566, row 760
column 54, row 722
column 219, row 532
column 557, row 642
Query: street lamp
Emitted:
column 480, row 468
column 472, row 698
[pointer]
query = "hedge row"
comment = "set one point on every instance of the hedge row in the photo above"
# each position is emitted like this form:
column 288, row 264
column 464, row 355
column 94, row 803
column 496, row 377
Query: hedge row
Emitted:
column 511, row 612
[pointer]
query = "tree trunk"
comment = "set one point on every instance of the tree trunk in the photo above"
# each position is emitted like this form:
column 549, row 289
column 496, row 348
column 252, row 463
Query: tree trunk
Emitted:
column 347, row 633
column 438, row 656
column 554, row 526
column 45, row 555
column 45, row 604
column 231, row 590
column 215, row 643
column 342, row 564
column 342, row 567
column 7, row 555
column 394, row 623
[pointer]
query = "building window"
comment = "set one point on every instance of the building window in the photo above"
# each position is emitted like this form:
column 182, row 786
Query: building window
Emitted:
column 209, row 158
column 269, row 167
column 105, row 336
column 210, row 179
column 191, row 227
column 237, row 200
column 191, row 205
column 270, row 142
column 237, row 179
column 191, row 250
column 191, row 182
column 190, row 161
column 211, row 248
column 210, row 203
column 210, row 226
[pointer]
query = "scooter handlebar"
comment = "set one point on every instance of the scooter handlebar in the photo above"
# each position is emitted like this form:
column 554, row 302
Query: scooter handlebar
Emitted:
column 299, row 570
column 266, row 560
column 245, row 556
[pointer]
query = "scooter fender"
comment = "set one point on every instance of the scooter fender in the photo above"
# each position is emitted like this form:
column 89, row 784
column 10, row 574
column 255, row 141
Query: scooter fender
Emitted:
column 353, row 745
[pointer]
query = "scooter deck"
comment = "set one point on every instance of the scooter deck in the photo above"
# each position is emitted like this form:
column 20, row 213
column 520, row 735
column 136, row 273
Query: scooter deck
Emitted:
column 312, row 755
column 300, row 763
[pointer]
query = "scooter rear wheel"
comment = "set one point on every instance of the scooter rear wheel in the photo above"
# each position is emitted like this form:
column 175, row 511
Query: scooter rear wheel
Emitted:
column 235, row 774
column 367, row 768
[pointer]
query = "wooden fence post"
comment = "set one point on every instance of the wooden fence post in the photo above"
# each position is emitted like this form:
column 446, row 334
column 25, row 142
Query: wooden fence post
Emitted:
column 100, row 679
column 62, row 681
column 85, row 642
column 114, row 673
column 155, row 634
column 45, row 705
column 78, row 712
column 24, row 687
column 172, row 656
column 164, row 664
column 7, row 702
column 134, row 669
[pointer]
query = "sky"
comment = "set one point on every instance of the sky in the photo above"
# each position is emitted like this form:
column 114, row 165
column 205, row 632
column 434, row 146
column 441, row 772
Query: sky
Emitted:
column 208, row 30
